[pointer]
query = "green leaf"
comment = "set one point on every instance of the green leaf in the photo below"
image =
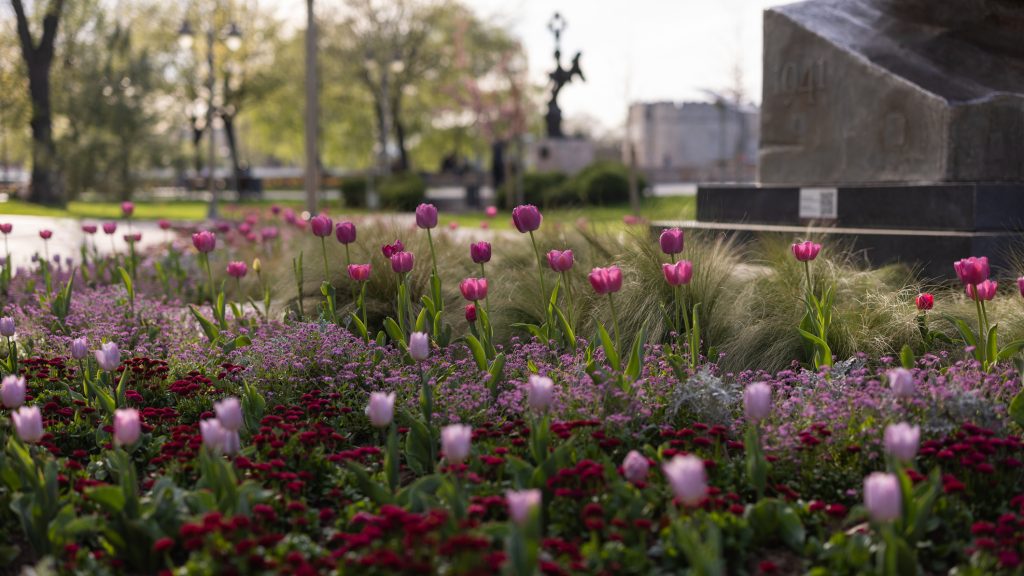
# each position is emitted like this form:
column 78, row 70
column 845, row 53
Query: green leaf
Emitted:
column 211, row 331
column 496, row 371
column 563, row 322
column 536, row 331
column 111, row 498
column 992, row 347
column 1017, row 409
column 367, row 486
column 907, row 357
column 421, row 320
column 609, row 347
column 1010, row 350
column 477, row 349
column 395, row 333
column 791, row 528
column 418, row 444
column 965, row 331
column 635, row 365
column 360, row 327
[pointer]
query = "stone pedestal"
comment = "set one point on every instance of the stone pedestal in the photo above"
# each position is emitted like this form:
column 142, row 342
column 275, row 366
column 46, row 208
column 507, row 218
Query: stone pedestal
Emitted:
column 567, row 155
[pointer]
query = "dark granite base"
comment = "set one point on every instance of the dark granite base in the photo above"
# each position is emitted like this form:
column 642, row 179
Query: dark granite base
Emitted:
column 932, row 253
column 968, row 207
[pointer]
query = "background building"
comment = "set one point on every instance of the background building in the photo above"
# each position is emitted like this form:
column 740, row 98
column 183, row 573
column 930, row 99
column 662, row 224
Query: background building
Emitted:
column 693, row 141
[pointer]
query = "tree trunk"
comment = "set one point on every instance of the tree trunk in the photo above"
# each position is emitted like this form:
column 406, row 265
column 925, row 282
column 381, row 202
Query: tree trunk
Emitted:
column 229, row 133
column 396, row 115
column 47, row 186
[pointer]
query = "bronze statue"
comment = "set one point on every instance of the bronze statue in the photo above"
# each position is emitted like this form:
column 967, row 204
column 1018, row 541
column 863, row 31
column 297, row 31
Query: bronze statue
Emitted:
column 560, row 76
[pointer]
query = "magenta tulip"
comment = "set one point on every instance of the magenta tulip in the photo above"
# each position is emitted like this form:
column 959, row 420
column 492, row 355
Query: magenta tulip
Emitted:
column 321, row 226
column 390, row 250
column 635, row 467
column 671, row 241
column 480, row 252
column 924, row 301
column 985, row 290
column 204, row 241
column 46, row 234
column 972, row 270
column 526, row 218
column 679, row 273
column 560, row 260
column 6, row 228
column 470, row 313
column 345, row 232
column 237, row 269
column 402, row 262
column 426, row 216
column 806, row 251
column 134, row 237
column 127, row 209
column 359, row 272
column 164, row 224
column 89, row 228
column 109, row 228
column 606, row 280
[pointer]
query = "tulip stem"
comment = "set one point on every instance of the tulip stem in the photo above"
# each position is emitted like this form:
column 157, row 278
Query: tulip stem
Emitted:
column 810, row 286
column 487, row 302
column 323, row 250
column 540, row 266
column 615, row 321
column 568, row 292
column 209, row 276
column 348, row 262
column 977, row 306
column 433, row 255
column 984, row 314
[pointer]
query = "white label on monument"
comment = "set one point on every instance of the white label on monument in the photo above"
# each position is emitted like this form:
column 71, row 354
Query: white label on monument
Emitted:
column 819, row 203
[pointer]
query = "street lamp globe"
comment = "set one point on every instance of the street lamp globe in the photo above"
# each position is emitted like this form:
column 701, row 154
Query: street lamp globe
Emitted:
column 234, row 38
column 185, row 36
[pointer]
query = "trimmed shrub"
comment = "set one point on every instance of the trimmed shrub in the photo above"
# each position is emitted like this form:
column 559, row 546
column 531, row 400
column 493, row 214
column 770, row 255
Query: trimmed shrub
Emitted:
column 402, row 192
column 353, row 190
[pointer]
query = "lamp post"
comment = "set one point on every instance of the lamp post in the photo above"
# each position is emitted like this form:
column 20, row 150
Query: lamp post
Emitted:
column 231, row 36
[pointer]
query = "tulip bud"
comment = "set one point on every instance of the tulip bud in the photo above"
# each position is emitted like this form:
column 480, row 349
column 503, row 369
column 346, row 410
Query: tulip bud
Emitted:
column 426, row 216
column 526, row 218
column 679, row 273
column 924, row 301
column 127, row 208
column 901, row 441
column 606, row 280
column 470, row 313
column 237, row 269
column 12, row 391
column 901, row 381
column 540, row 392
column 480, row 252
column 635, row 467
column 7, row 327
column 671, row 241
column 345, row 232
column 560, row 261
column 687, row 478
column 985, row 290
column 882, row 496
column 257, row 265
column 127, row 427
column 521, row 503
column 204, row 241
column 381, row 409
column 108, row 356
column 806, row 251
column 473, row 289
column 229, row 413
column 321, row 226
column 28, row 424
column 455, row 441
column 79, row 348
column 757, row 401
column 972, row 270
column 419, row 345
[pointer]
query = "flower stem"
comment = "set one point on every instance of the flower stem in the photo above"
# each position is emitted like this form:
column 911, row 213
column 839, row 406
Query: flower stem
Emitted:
column 615, row 320
column 487, row 301
column 323, row 250
column 540, row 266
column 568, row 291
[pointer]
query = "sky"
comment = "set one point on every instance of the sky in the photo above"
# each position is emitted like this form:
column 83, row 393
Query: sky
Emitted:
column 633, row 50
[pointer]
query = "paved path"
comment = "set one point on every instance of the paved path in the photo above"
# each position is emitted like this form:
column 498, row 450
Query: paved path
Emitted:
column 24, row 240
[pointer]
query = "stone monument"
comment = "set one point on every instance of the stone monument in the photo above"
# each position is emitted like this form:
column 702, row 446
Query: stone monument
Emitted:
column 897, row 123
column 555, row 152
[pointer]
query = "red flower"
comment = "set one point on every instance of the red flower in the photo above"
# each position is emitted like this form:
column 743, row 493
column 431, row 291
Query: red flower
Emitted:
column 163, row 544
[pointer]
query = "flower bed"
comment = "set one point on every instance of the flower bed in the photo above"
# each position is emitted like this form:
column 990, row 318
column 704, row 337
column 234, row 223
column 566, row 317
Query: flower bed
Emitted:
column 193, row 411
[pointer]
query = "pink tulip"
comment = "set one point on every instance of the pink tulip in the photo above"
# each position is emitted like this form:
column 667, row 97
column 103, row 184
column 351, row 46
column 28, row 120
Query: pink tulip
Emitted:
column 7, row 329
column 901, row 381
column 806, row 251
column 345, row 232
column 46, row 234
column 540, row 392
column 28, row 424
column 491, row 211
column 89, row 228
column 474, row 289
column 390, row 250
column 426, row 216
column 470, row 313
column 985, row 290
column 381, row 409
column 521, row 503
column 237, row 269
column 757, row 401
column 671, row 241
column 419, row 346
column 79, row 348
column 6, row 228
column 204, row 241
column 268, row 233
column 972, row 270
column 455, row 442
column 275, row 209
column 526, row 218
column 635, row 467
column 606, row 280
column 127, row 209
column 135, row 237
column 229, row 413
column 321, row 226
column 679, row 273
column 560, row 260
column 164, row 224
column 402, row 262
column 245, row 228
column 12, row 391
column 223, row 227
column 687, row 478
column 127, row 427
column 217, row 438
column 480, row 252
column 109, row 228
column 901, row 441
column 359, row 272
column 882, row 496
column 453, row 225
column 108, row 356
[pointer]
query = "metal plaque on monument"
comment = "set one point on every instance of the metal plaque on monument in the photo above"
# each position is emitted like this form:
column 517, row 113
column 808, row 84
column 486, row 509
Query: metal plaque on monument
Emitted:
column 896, row 123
